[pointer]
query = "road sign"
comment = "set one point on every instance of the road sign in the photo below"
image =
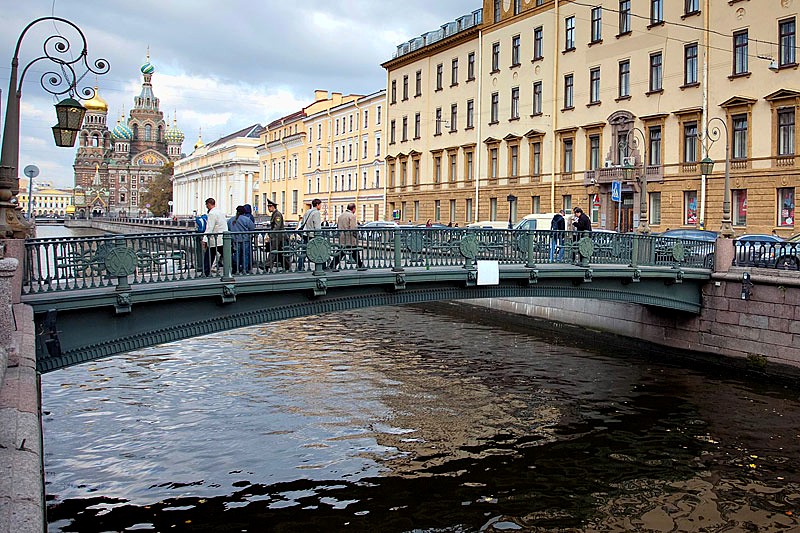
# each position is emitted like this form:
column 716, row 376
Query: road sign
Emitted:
column 616, row 191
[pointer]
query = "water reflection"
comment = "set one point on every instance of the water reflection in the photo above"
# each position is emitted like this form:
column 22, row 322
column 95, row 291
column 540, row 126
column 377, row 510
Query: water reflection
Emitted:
column 394, row 419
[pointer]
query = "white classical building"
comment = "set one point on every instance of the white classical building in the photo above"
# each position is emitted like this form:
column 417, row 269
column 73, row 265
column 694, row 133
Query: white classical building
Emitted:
column 225, row 169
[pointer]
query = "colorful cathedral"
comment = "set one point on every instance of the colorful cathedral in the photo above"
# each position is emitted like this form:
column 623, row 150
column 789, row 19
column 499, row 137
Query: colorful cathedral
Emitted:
column 113, row 168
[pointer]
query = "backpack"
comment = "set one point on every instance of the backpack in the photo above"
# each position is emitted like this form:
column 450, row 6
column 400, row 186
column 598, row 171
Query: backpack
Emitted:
column 202, row 222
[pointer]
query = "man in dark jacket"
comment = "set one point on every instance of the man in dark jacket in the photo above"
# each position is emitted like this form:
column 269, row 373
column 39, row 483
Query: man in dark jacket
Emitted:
column 581, row 223
column 277, row 237
column 557, row 227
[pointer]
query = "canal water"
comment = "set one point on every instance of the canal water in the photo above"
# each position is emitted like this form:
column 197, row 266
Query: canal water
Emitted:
column 403, row 419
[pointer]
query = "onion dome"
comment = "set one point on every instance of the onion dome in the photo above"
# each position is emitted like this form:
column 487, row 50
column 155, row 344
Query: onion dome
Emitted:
column 199, row 143
column 173, row 135
column 96, row 104
column 122, row 132
column 148, row 67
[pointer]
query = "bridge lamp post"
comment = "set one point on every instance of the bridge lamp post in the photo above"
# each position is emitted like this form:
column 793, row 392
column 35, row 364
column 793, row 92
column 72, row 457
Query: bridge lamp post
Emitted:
column 629, row 170
column 712, row 135
column 511, row 199
column 56, row 49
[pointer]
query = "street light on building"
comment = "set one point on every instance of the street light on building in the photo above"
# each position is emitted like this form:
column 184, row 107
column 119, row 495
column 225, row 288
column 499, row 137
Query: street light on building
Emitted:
column 56, row 49
column 712, row 135
column 629, row 170
column 511, row 199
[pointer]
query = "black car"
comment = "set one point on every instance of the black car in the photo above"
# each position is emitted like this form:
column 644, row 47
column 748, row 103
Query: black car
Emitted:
column 757, row 250
column 686, row 246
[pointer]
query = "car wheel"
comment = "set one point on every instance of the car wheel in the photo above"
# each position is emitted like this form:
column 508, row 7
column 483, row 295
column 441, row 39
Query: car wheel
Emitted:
column 788, row 262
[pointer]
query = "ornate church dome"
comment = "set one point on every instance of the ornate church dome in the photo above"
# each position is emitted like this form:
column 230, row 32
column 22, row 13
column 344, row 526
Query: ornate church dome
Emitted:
column 95, row 103
column 148, row 67
column 122, row 132
column 173, row 135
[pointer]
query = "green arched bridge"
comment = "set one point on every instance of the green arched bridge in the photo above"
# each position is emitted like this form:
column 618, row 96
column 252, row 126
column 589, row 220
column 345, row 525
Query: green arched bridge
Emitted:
column 95, row 297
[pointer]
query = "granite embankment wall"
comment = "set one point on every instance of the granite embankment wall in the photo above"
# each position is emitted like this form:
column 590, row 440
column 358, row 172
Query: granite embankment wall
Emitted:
column 120, row 227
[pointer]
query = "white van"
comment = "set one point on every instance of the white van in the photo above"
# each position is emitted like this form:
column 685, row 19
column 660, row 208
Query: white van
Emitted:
column 540, row 221
column 489, row 224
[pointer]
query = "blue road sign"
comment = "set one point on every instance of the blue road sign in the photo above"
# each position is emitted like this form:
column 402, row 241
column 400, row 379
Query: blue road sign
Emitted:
column 616, row 191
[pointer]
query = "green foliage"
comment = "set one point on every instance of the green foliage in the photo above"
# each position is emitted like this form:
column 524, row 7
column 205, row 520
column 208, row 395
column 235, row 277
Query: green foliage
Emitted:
column 159, row 192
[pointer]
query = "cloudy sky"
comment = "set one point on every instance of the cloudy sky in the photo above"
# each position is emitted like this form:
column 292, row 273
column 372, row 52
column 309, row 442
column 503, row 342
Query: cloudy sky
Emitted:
column 220, row 65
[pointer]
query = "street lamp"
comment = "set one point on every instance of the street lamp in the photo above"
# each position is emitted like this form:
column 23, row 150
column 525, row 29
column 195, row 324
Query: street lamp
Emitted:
column 56, row 49
column 712, row 135
column 628, row 171
column 511, row 199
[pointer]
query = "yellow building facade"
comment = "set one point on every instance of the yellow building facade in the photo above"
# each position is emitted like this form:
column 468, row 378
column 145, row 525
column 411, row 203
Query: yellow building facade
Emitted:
column 47, row 200
column 329, row 150
column 527, row 106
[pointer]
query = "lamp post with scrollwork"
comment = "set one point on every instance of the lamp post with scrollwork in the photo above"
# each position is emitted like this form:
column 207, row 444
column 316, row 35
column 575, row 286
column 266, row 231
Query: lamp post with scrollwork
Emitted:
column 68, row 111
column 628, row 170
column 710, row 136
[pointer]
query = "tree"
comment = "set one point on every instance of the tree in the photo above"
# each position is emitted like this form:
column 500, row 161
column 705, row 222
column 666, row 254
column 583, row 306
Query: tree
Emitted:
column 159, row 192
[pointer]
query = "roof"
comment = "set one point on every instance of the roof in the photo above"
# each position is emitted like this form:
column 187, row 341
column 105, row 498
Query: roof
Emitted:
column 250, row 132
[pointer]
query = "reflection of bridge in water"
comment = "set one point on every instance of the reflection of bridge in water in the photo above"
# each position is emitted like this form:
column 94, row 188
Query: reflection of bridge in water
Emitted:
column 94, row 297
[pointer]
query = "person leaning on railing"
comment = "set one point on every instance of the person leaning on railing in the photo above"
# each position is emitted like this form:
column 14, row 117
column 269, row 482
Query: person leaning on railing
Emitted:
column 212, row 238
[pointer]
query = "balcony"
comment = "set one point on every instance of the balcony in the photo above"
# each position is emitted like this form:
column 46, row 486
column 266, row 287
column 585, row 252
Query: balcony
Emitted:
column 615, row 173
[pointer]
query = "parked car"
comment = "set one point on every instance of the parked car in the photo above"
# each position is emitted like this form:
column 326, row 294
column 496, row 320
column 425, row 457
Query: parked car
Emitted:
column 489, row 224
column 539, row 221
column 696, row 246
column 757, row 250
column 376, row 229
column 789, row 254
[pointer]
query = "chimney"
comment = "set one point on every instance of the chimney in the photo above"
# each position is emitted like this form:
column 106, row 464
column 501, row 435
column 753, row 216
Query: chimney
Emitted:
column 320, row 95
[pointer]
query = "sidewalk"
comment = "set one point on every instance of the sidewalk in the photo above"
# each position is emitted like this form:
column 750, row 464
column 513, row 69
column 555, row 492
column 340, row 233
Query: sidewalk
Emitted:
column 21, row 476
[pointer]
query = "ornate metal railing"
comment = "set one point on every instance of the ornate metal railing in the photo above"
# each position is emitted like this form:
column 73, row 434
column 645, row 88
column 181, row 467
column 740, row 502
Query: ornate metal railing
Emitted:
column 767, row 254
column 79, row 263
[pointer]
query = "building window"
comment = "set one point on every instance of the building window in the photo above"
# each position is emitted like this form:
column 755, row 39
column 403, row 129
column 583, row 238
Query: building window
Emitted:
column 569, row 34
column 513, row 160
column 786, row 42
column 471, row 66
column 537, row 159
column 438, row 121
column 624, row 78
column 594, row 152
column 405, row 129
column 454, row 72
column 378, row 117
column 536, row 204
column 690, row 142
column 568, row 156
column 597, row 24
column 786, row 119
column 393, row 100
column 655, row 208
column 515, row 45
column 469, row 165
column 495, row 57
column 537, row 98
column 439, row 76
column 654, row 146
column 538, row 43
column 594, row 86
column 492, row 208
column 493, row 162
column 470, row 114
column 517, row 7
column 415, row 171
column 391, row 132
column 739, row 137
column 566, row 201
column 417, row 85
column 437, row 210
column 453, row 166
column 624, row 16
column 497, row 12
column 514, row 103
column 690, row 64
column 495, row 109
column 786, row 207
column 568, row 94
column 690, row 208
column 148, row 132
column 417, row 126
column 739, row 201
column 405, row 95
column 655, row 72
column 656, row 11
column 468, row 209
column 691, row 6
column 453, row 117
column 437, row 169
column 740, row 45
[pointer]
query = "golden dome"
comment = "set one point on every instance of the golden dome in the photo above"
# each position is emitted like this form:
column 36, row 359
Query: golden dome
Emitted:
column 96, row 103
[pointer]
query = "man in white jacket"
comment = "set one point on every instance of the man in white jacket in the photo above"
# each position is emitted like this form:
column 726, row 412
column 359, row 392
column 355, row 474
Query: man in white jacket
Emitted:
column 212, row 238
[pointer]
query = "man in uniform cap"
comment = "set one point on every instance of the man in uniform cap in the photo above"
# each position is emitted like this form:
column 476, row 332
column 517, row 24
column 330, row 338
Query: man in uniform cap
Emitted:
column 277, row 238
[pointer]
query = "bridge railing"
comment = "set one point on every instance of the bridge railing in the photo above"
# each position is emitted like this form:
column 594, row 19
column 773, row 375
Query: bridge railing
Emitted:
column 79, row 263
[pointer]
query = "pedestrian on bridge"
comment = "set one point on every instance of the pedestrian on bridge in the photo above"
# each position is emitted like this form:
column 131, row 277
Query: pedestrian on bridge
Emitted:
column 312, row 220
column 212, row 238
column 557, row 227
column 241, row 226
column 348, row 238
column 581, row 223
column 276, row 236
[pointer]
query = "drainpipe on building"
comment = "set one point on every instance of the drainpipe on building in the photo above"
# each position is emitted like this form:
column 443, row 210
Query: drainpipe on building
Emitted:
column 706, row 51
column 478, row 131
column 554, row 112
column 330, row 159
